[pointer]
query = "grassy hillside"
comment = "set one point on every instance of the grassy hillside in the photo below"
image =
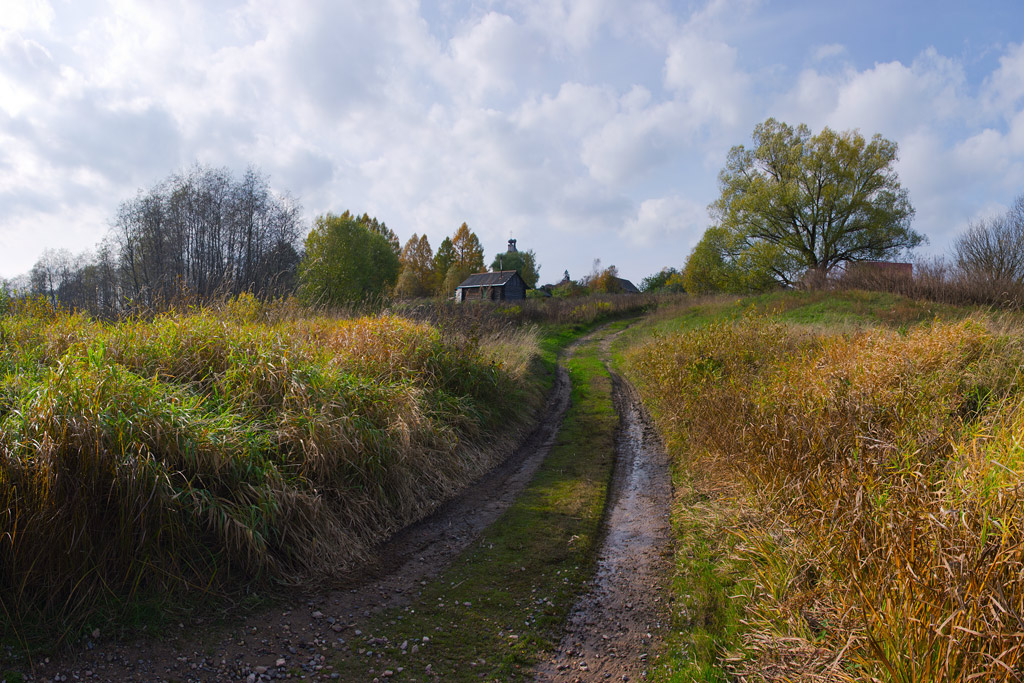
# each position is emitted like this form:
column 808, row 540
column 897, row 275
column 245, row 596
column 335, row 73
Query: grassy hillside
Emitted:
column 210, row 450
column 867, row 457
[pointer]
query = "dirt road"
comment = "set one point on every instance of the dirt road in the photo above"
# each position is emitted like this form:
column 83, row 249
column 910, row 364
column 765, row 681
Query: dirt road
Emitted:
column 609, row 634
column 614, row 627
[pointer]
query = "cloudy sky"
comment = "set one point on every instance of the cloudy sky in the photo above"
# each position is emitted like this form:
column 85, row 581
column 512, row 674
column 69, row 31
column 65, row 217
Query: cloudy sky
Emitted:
column 584, row 128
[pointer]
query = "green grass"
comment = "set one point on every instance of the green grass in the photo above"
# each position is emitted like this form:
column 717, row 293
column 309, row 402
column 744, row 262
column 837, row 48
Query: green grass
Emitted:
column 523, row 576
column 706, row 584
column 840, row 311
column 150, row 465
column 712, row 577
column 854, row 309
column 707, row 573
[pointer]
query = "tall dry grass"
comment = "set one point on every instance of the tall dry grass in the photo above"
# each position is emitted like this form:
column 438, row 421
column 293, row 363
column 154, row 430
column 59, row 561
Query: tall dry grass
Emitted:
column 890, row 466
column 210, row 450
column 936, row 280
column 474, row 317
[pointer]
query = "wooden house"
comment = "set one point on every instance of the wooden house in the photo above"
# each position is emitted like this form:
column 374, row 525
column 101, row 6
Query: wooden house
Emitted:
column 626, row 286
column 875, row 274
column 504, row 285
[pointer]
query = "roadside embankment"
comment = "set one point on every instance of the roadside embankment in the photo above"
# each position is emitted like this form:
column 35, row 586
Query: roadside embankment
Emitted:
column 868, row 484
column 202, row 452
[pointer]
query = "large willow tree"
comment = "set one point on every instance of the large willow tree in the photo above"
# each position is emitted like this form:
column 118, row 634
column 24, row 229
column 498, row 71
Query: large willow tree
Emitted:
column 794, row 205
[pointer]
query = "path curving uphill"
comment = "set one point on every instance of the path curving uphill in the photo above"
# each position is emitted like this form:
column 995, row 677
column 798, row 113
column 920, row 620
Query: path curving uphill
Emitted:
column 613, row 628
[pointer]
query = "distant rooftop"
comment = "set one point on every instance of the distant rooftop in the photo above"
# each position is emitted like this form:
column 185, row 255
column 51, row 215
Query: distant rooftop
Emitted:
column 488, row 279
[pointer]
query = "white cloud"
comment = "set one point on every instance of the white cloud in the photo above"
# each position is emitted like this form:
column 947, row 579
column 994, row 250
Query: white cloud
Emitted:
column 980, row 152
column 830, row 51
column 948, row 159
column 1015, row 137
column 889, row 98
column 574, row 111
column 590, row 128
column 25, row 15
column 489, row 57
column 574, row 22
column 896, row 100
column 635, row 141
column 813, row 98
column 666, row 220
column 29, row 71
column 715, row 14
column 349, row 105
column 578, row 25
column 704, row 74
column 1004, row 89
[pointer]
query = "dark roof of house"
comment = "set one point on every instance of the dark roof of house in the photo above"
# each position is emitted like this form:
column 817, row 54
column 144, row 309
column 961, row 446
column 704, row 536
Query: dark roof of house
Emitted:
column 627, row 286
column 498, row 279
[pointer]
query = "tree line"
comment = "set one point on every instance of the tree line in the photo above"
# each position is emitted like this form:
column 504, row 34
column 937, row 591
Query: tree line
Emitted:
column 795, row 209
column 349, row 259
column 202, row 234
column 198, row 234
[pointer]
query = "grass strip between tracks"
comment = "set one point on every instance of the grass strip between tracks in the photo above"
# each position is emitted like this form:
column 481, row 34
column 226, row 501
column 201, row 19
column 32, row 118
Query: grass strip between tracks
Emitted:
column 504, row 602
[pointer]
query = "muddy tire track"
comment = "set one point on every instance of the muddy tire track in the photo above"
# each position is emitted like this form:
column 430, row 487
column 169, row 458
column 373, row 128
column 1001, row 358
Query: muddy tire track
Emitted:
column 308, row 624
column 614, row 627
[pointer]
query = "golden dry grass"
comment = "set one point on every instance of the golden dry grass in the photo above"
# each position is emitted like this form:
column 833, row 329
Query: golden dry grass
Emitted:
column 887, row 470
